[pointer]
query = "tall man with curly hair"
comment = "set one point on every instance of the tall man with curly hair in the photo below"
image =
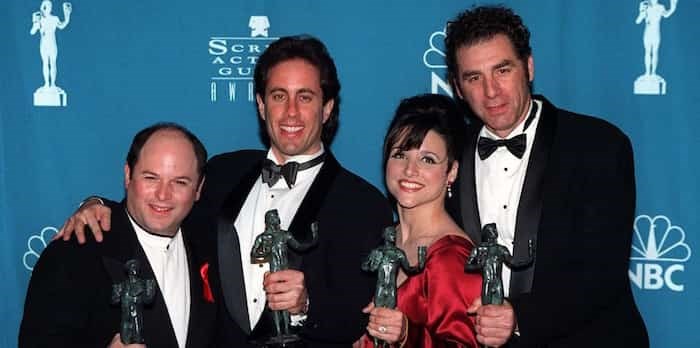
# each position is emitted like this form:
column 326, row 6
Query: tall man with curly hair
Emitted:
column 563, row 180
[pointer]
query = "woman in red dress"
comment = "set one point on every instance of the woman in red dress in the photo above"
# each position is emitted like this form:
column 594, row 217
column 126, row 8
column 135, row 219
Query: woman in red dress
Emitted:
column 421, row 152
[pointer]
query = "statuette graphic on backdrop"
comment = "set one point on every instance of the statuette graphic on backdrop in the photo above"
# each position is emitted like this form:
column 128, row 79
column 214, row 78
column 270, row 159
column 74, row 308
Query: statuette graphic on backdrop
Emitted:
column 650, row 13
column 45, row 23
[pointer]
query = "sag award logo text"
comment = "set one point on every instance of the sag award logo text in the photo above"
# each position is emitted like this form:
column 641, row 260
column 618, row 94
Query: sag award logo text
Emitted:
column 650, row 13
column 45, row 23
column 659, row 253
column 434, row 59
column 233, row 61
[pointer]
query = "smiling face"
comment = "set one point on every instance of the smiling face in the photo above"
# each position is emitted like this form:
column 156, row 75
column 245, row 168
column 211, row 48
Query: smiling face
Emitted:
column 419, row 176
column 495, row 83
column 293, row 109
column 163, row 184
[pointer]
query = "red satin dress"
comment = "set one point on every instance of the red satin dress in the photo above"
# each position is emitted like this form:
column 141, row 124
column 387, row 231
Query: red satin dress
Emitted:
column 435, row 301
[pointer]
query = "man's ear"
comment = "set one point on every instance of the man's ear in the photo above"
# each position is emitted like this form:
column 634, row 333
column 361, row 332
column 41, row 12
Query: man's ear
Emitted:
column 261, row 106
column 199, row 189
column 456, row 90
column 327, row 109
column 127, row 176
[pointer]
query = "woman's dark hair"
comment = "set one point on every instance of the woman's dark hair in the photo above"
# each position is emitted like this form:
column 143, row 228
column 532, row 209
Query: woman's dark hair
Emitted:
column 418, row 115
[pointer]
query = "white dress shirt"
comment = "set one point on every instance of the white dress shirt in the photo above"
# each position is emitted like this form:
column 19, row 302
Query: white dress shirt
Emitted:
column 168, row 259
column 499, row 183
column 251, row 222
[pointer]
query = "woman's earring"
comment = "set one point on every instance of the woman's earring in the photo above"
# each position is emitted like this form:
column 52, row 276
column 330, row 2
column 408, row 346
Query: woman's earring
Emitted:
column 449, row 189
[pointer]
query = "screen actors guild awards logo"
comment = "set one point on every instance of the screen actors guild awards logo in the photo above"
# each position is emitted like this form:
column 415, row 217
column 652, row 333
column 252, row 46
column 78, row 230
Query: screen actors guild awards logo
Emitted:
column 45, row 23
column 650, row 13
column 233, row 59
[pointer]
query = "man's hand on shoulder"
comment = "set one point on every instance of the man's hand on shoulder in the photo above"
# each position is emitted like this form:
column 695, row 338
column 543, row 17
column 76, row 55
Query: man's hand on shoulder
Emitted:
column 93, row 214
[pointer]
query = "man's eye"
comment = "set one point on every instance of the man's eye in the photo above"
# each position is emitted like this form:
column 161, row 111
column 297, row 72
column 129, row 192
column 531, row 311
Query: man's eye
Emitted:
column 305, row 98
column 503, row 71
column 278, row 97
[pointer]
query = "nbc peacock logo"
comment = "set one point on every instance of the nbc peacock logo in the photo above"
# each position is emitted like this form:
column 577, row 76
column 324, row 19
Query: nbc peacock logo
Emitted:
column 36, row 244
column 434, row 59
column 659, row 253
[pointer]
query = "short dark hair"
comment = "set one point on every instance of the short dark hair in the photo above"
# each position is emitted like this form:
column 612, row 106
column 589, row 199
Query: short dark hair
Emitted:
column 313, row 51
column 143, row 135
column 482, row 23
column 416, row 116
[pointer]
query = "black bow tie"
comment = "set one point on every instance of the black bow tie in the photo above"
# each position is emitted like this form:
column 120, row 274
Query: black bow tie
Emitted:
column 271, row 172
column 516, row 146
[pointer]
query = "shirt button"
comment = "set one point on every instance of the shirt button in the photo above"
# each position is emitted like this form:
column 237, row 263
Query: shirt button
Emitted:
column 505, row 169
column 255, row 300
column 272, row 196
column 505, row 206
column 260, row 265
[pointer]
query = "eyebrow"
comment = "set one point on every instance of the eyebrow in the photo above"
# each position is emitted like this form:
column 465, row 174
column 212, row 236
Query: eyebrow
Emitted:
column 284, row 90
column 182, row 177
column 503, row 63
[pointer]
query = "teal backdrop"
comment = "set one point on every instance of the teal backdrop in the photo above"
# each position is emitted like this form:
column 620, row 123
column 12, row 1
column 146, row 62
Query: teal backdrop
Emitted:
column 124, row 65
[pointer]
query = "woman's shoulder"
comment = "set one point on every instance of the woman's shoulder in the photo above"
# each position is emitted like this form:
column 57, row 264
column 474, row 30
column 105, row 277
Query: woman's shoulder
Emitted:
column 450, row 245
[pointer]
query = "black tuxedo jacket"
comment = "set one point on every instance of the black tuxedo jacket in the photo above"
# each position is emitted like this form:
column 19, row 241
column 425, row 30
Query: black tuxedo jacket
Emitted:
column 351, row 214
column 68, row 301
column 577, row 205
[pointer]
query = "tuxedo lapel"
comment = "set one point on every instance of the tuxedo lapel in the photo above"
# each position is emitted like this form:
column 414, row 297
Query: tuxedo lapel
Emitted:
column 530, row 207
column 469, row 204
column 228, row 250
column 300, row 228
column 123, row 245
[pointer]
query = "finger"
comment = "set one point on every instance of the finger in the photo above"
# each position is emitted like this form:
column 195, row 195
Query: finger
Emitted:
column 94, row 226
column 393, row 321
column 387, row 314
column 59, row 235
column 388, row 333
column 495, row 323
column 80, row 232
column 287, row 275
column 281, row 305
column 67, row 229
column 368, row 308
column 491, row 341
column 474, row 306
column 495, row 333
column 285, row 299
column 105, row 216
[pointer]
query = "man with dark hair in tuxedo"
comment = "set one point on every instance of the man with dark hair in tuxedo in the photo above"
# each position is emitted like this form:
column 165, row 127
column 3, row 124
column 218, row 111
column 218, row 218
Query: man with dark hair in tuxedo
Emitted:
column 563, row 180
